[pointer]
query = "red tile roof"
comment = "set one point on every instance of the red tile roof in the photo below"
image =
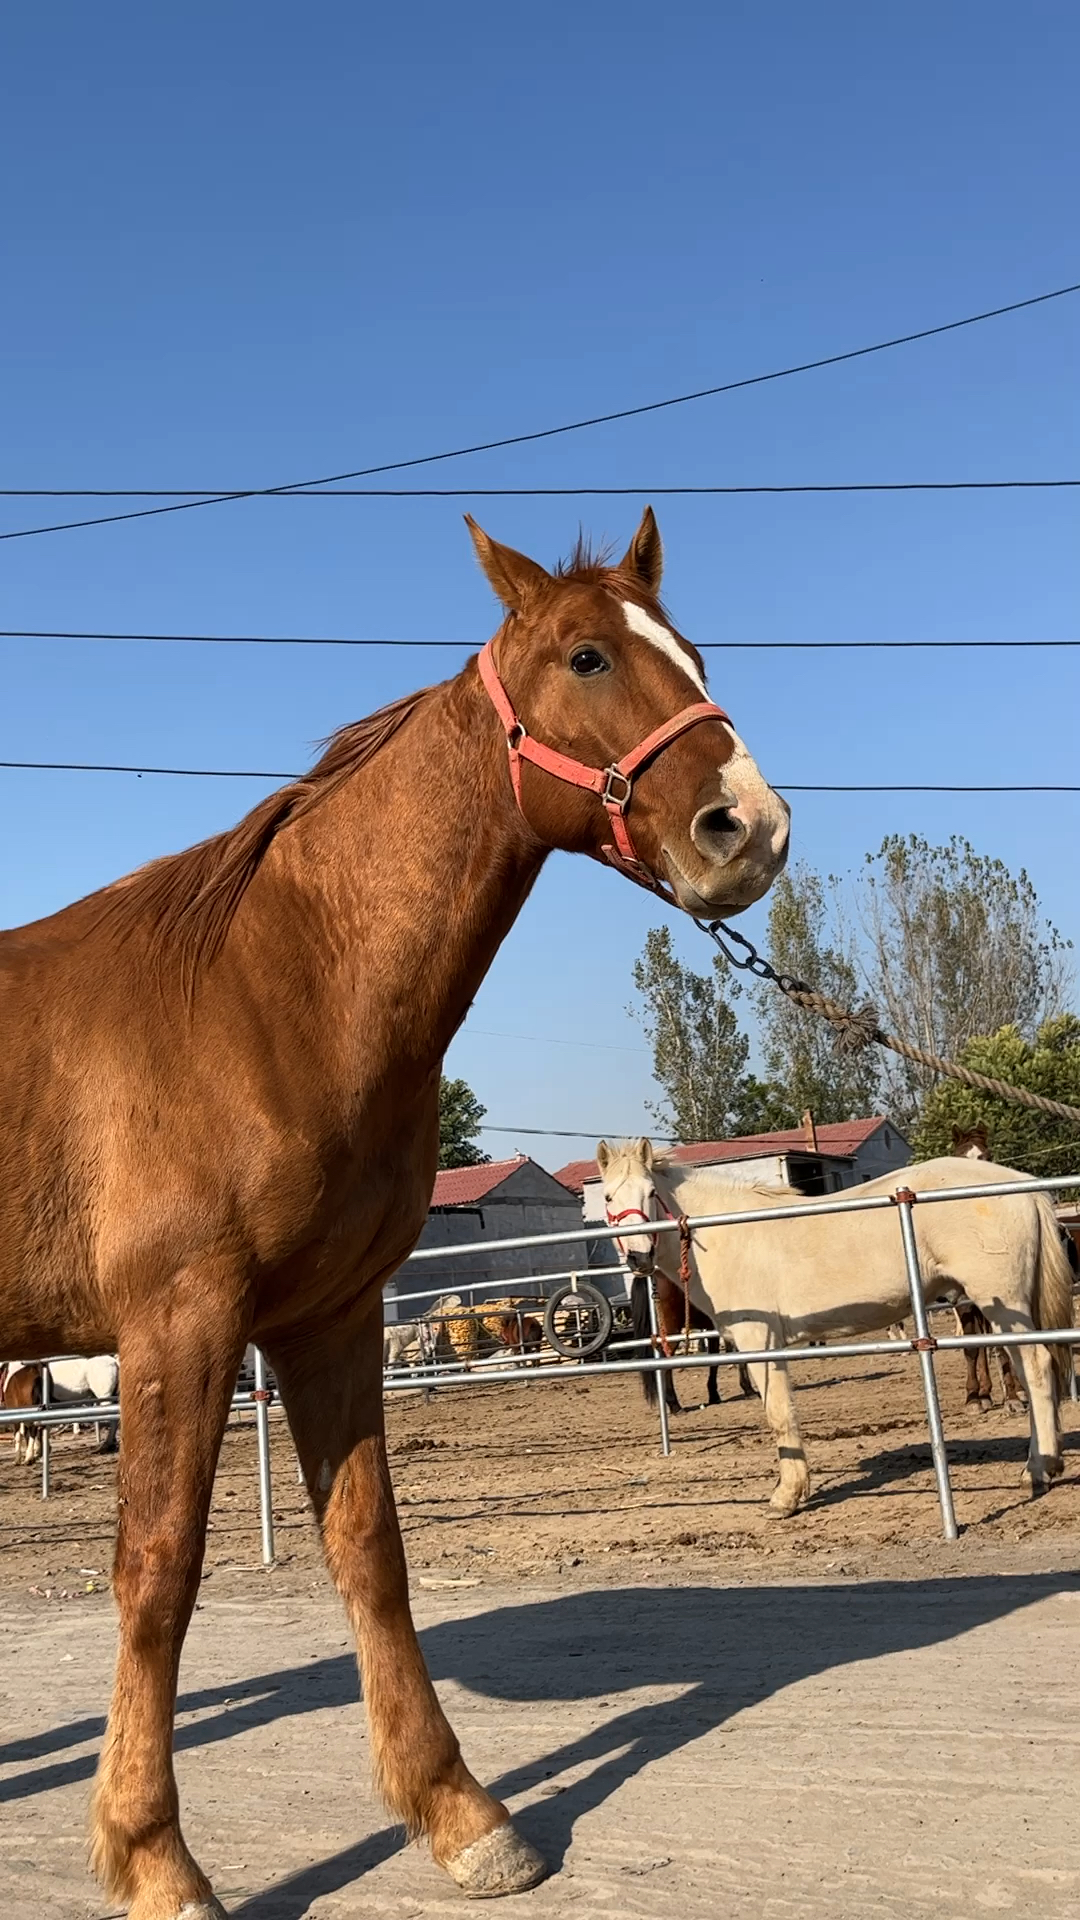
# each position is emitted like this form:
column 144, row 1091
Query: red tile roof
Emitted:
column 464, row 1186
column 840, row 1139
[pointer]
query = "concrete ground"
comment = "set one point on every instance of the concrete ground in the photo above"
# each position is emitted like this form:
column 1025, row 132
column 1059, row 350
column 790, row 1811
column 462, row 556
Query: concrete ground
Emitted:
column 888, row 1747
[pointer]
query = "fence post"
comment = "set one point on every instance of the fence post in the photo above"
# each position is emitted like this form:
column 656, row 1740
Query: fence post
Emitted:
column 924, row 1345
column 262, row 1441
column 660, row 1378
column 45, row 1482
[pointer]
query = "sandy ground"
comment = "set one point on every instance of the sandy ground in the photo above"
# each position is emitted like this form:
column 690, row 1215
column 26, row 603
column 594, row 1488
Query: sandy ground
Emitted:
column 694, row 1707
column 556, row 1477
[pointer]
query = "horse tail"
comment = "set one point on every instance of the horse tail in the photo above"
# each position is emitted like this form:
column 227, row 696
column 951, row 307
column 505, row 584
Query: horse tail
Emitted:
column 641, row 1321
column 1053, row 1304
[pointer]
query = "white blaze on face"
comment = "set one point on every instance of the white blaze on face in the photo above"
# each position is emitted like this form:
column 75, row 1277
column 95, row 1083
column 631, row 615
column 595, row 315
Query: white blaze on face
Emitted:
column 660, row 636
column 755, row 800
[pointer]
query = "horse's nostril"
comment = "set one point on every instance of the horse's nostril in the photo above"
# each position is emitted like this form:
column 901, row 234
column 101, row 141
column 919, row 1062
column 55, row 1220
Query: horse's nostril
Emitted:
column 714, row 830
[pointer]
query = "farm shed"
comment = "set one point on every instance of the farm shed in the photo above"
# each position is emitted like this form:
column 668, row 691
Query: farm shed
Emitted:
column 496, row 1201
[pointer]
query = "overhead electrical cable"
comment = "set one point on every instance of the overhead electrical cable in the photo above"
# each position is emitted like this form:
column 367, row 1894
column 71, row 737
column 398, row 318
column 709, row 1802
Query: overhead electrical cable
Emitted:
column 250, row 773
column 571, row 426
column 197, row 497
column 341, row 640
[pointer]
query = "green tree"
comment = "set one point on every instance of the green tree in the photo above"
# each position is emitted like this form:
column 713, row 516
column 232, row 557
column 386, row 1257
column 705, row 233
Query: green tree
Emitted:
column 798, row 1047
column 460, row 1114
column 959, row 949
column 1032, row 1142
column 699, row 1050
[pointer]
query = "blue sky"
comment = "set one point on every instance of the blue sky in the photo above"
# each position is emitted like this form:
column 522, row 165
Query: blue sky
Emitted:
column 247, row 245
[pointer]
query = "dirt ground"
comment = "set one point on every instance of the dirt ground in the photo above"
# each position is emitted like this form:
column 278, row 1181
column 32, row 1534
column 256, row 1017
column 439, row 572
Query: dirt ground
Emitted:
column 690, row 1706
column 549, row 1477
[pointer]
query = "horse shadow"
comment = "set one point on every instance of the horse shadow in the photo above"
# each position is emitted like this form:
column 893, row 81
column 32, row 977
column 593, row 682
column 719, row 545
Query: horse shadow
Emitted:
column 880, row 1471
column 735, row 1647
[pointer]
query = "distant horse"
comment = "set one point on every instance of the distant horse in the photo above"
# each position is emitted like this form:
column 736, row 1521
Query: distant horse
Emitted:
column 507, row 1322
column 73, row 1382
column 779, row 1283
column 219, row 1093
column 972, row 1143
column 671, row 1318
column 20, row 1390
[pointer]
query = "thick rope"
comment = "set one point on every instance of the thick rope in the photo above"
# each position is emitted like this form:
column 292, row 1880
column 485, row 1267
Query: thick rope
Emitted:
column 854, row 1031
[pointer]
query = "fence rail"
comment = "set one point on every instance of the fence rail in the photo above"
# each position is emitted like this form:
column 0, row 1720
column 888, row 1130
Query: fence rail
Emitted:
column 495, row 1371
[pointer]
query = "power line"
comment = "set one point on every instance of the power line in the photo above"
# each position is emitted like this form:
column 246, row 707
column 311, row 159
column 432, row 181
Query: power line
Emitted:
column 336, row 640
column 249, row 773
column 571, row 426
column 548, row 1040
column 201, row 496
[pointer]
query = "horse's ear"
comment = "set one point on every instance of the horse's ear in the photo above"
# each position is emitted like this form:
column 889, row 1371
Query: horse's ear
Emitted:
column 514, row 577
column 646, row 1152
column 957, row 1135
column 644, row 557
column 603, row 1155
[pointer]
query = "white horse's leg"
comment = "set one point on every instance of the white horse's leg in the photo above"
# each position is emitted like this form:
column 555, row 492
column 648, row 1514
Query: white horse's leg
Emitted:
column 773, row 1384
column 1035, row 1368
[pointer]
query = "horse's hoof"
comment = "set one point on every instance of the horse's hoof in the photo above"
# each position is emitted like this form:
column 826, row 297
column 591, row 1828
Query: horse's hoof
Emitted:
column 499, row 1862
column 986, row 1404
column 784, row 1505
column 203, row 1910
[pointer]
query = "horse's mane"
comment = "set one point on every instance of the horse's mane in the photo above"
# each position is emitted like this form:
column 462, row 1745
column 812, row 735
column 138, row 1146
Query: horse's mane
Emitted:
column 186, row 902
column 589, row 566
column 584, row 563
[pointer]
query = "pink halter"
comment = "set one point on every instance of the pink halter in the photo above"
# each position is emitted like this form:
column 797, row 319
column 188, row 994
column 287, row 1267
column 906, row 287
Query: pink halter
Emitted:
column 614, row 785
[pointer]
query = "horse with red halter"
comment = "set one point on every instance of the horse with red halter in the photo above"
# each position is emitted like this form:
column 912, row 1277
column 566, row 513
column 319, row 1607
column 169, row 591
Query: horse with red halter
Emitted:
column 219, row 1124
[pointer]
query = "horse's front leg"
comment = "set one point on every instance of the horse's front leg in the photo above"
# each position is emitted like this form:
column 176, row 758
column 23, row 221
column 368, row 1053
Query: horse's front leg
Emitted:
column 332, row 1391
column 773, row 1384
column 178, row 1374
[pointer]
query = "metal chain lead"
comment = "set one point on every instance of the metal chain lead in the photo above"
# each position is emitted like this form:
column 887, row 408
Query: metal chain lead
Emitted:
column 855, row 1030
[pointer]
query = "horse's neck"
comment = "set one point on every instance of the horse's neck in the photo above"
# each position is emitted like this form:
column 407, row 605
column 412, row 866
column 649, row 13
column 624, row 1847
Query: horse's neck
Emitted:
column 389, row 899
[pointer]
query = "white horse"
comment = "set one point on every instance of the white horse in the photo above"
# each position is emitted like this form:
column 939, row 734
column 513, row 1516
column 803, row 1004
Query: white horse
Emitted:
column 782, row 1283
column 74, row 1382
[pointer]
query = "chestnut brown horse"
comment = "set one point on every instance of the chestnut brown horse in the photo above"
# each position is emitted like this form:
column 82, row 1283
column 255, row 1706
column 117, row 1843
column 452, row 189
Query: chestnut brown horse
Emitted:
column 219, row 1124
column 973, row 1143
column 673, row 1313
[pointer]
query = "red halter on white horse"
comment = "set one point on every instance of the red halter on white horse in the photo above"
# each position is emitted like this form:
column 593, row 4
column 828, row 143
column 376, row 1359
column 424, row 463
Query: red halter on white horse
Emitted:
column 685, row 1237
column 614, row 785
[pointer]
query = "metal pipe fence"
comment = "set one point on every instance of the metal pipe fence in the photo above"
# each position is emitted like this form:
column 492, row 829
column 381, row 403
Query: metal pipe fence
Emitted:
column 497, row 1370
column 923, row 1345
column 107, row 1413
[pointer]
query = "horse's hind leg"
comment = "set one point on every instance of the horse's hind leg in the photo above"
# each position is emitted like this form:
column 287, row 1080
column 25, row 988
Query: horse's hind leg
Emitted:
column 331, row 1388
column 977, row 1390
column 1044, row 1455
column 178, row 1375
column 773, row 1384
column 1014, row 1393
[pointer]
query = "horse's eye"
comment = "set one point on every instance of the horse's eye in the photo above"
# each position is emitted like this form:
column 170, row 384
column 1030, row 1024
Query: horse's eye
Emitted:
column 586, row 660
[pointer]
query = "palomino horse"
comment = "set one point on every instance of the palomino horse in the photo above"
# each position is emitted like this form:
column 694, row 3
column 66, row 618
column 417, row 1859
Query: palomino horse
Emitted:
column 972, row 1143
column 779, row 1283
column 219, row 1123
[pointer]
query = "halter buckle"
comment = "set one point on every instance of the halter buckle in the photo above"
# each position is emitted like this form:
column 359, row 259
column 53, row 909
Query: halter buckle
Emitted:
column 620, row 801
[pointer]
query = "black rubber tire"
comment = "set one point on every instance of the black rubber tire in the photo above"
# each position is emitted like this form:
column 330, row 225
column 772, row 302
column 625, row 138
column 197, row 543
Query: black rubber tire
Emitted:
column 598, row 1309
